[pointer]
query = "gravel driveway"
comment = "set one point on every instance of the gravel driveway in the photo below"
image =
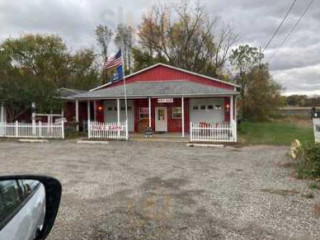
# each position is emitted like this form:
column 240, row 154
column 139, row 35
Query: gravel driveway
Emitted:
column 134, row 190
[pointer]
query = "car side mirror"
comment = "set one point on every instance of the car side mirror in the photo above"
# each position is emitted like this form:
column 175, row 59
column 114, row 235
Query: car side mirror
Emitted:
column 28, row 206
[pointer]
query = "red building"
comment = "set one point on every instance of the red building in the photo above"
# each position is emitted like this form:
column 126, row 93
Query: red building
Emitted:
column 162, row 97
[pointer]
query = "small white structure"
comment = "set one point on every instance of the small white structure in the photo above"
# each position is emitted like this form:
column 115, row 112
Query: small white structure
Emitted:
column 316, row 128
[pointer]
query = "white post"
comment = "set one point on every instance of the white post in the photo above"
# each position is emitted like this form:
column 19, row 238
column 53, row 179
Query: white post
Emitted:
column 2, row 113
column 95, row 110
column 190, row 131
column 17, row 129
column 118, row 116
column 149, row 104
column 34, row 131
column 40, row 129
column 235, row 120
column 231, row 116
column 77, row 114
column 89, row 129
column 182, row 113
column 127, row 130
column 62, row 129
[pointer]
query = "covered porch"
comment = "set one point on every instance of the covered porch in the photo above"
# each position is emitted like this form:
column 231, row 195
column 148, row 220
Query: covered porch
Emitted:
column 186, row 108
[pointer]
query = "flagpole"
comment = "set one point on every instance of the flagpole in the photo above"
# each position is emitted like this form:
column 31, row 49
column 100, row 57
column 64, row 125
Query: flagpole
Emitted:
column 124, row 87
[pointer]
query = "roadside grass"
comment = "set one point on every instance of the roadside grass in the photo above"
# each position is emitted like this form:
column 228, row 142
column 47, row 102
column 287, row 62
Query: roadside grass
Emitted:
column 314, row 186
column 274, row 132
column 73, row 134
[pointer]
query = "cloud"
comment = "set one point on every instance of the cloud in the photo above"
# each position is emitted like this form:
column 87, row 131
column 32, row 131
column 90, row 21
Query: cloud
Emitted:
column 253, row 20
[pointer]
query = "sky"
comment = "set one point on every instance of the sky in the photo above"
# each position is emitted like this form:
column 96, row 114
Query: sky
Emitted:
column 296, row 65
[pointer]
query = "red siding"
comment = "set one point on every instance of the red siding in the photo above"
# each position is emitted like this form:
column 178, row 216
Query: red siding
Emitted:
column 163, row 73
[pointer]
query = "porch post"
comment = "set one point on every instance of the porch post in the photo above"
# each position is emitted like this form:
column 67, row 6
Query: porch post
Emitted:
column 182, row 113
column 231, row 117
column 88, row 110
column 118, row 115
column 235, row 119
column 95, row 110
column 149, row 104
column 77, row 114
column 231, row 109
column 2, row 113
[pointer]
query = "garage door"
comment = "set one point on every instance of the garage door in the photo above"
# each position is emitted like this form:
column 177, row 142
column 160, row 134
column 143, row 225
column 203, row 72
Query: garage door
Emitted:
column 210, row 110
column 110, row 112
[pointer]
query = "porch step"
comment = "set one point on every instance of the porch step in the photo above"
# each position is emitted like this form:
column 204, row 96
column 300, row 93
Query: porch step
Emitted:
column 205, row 145
column 92, row 142
column 33, row 140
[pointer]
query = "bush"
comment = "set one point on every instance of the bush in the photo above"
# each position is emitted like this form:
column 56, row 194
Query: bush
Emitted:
column 308, row 165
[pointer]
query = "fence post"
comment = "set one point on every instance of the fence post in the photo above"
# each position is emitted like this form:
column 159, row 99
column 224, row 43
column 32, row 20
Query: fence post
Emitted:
column 127, row 130
column 89, row 129
column 33, row 123
column 62, row 128
column 17, row 129
column 190, row 131
column 40, row 129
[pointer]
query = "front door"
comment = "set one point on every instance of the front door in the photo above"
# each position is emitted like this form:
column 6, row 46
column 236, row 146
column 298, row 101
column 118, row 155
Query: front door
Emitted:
column 161, row 119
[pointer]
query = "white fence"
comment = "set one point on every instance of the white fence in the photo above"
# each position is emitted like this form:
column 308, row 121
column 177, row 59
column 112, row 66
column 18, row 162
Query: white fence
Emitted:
column 108, row 130
column 218, row 132
column 29, row 130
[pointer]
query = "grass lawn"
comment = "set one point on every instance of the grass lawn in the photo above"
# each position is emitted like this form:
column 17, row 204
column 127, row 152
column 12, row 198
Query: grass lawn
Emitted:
column 275, row 132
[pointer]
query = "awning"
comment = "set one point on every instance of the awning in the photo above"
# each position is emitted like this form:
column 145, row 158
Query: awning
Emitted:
column 144, row 89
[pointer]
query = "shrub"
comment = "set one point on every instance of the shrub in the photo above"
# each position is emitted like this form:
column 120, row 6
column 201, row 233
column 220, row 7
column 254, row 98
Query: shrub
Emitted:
column 308, row 165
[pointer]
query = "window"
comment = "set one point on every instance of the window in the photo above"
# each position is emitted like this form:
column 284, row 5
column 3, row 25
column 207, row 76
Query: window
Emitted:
column 13, row 193
column 195, row 108
column 218, row 106
column 143, row 113
column 203, row 107
column 176, row 113
column 210, row 107
column 123, row 108
column 10, row 198
column 115, row 109
column 110, row 108
column 129, row 109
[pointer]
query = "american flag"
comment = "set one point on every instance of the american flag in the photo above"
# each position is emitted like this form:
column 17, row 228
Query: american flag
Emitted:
column 114, row 61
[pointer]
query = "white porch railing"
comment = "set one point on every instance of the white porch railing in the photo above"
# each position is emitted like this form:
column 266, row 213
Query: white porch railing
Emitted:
column 108, row 130
column 208, row 132
column 29, row 130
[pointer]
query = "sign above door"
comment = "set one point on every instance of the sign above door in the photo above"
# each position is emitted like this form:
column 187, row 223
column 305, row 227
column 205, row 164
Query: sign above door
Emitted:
column 165, row 100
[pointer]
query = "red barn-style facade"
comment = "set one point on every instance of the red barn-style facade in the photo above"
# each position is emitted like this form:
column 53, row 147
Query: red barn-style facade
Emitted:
column 162, row 97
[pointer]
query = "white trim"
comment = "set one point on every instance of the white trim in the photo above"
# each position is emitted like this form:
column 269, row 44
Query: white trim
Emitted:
column 118, row 114
column 175, row 68
column 149, row 105
column 88, row 109
column 182, row 112
column 77, row 114
column 157, row 96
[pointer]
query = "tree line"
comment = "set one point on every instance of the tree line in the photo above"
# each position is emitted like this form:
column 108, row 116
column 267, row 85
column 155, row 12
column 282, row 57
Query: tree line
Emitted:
column 33, row 67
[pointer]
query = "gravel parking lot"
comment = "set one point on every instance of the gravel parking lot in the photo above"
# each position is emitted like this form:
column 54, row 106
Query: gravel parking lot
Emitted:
column 135, row 190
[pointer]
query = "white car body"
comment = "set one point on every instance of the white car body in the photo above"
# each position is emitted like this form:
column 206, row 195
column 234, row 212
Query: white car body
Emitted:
column 28, row 220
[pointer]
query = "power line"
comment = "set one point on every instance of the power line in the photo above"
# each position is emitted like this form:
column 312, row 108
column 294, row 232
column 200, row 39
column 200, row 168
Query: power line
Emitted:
column 293, row 28
column 275, row 33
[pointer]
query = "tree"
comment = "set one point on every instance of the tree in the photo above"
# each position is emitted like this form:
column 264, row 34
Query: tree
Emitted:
column 263, row 95
column 104, row 35
column 244, row 59
column 124, row 40
column 184, row 36
column 84, row 71
column 32, row 67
